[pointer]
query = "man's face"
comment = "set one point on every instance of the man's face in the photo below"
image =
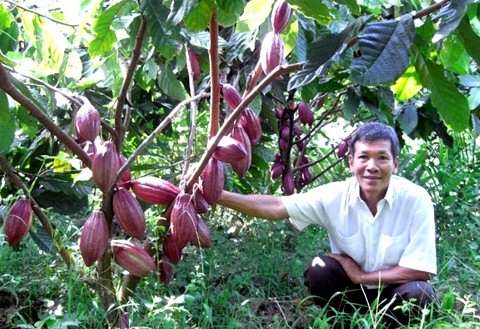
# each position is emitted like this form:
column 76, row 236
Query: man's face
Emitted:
column 373, row 165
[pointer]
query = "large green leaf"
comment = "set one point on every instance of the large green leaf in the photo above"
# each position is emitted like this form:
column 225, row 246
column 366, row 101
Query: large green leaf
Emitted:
column 168, row 83
column 179, row 10
column 408, row 85
column 105, row 37
column 8, row 30
column 254, row 14
column 199, row 17
column 449, row 102
column 228, row 11
column 351, row 4
column 7, row 124
column 313, row 9
column 471, row 40
column 321, row 53
column 385, row 49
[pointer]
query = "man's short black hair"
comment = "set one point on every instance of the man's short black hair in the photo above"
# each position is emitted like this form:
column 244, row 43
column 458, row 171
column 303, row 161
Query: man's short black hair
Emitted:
column 373, row 131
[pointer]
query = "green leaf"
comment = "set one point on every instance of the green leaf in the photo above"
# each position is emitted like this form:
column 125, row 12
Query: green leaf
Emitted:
column 453, row 55
column 254, row 14
column 228, row 11
column 474, row 98
column 408, row 85
column 449, row 102
column 351, row 4
column 449, row 17
column 470, row 40
column 169, row 84
column 385, row 49
column 199, row 18
column 7, row 124
column 8, row 30
column 408, row 118
column 42, row 240
column 313, row 9
column 179, row 11
column 351, row 104
column 105, row 37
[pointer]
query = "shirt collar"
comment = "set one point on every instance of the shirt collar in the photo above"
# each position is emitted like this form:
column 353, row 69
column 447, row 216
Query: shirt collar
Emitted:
column 355, row 191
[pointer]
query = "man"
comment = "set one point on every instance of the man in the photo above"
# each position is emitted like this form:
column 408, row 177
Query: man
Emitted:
column 381, row 229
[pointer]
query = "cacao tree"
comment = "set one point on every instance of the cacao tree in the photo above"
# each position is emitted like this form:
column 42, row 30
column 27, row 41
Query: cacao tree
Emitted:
column 117, row 106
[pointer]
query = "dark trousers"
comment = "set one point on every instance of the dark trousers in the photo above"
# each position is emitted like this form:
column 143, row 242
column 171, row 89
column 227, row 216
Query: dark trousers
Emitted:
column 330, row 286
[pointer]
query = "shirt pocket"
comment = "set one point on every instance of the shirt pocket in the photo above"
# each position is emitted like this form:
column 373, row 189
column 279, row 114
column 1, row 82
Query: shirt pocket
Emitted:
column 352, row 245
column 392, row 248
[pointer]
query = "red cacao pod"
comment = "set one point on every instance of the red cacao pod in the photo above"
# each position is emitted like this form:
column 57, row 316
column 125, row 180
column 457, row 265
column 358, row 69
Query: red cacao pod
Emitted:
column 307, row 176
column 201, row 205
column 87, row 123
column 129, row 213
column 271, row 52
column 132, row 258
column 105, row 166
column 182, row 219
column 231, row 95
column 305, row 114
column 288, row 183
column 212, row 180
column 281, row 14
column 94, row 237
column 154, row 190
column 126, row 180
column 229, row 150
column 202, row 237
column 276, row 170
column 250, row 121
column 241, row 167
column 171, row 248
column 342, row 149
column 166, row 269
column 19, row 221
column 192, row 57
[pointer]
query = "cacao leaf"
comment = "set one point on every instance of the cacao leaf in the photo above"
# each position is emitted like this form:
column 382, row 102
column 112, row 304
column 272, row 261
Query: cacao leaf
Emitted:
column 449, row 17
column 385, row 51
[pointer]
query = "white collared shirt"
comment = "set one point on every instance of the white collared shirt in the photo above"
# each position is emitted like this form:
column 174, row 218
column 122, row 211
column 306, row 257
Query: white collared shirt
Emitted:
column 401, row 233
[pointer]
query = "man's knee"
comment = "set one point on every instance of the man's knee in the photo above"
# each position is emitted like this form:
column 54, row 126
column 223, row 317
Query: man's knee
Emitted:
column 418, row 292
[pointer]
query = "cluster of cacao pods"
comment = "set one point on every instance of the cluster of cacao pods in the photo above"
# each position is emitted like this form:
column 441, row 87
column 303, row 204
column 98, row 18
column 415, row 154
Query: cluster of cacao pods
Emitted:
column 19, row 221
column 272, row 51
column 235, row 148
column 294, row 171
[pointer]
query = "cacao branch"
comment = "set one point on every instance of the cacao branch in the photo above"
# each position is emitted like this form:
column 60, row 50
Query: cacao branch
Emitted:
column 193, row 113
column 18, row 183
column 214, row 122
column 34, row 111
column 121, row 127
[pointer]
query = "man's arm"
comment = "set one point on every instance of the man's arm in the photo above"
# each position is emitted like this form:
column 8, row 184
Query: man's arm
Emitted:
column 256, row 205
column 394, row 275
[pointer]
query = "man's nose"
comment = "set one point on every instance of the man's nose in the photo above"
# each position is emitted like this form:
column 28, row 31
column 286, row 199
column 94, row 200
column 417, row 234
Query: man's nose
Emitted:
column 372, row 165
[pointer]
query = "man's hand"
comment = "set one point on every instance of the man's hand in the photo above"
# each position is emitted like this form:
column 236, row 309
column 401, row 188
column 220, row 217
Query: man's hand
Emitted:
column 351, row 268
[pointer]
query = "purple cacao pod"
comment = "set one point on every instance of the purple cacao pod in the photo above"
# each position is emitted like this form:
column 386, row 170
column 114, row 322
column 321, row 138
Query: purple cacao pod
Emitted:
column 129, row 213
column 271, row 52
column 192, row 57
column 250, row 121
column 281, row 14
column 19, row 221
column 94, row 237
column 305, row 114
column 132, row 258
column 212, row 180
column 105, row 166
column 288, row 183
column 202, row 237
column 229, row 150
column 231, row 95
column 182, row 219
column 87, row 123
column 154, row 190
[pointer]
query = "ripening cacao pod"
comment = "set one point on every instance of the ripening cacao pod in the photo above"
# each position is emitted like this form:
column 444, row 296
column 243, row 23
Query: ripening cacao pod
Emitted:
column 250, row 121
column 241, row 167
column 271, row 52
column 307, row 176
column 182, row 219
column 166, row 269
column 229, row 150
column 129, row 213
column 288, row 183
column 126, row 180
column 201, row 205
column 283, row 143
column 19, row 221
column 105, row 166
column 231, row 95
column 94, row 237
column 192, row 57
column 132, row 258
column 276, row 170
column 305, row 114
column 202, row 237
column 90, row 148
column 212, row 180
column 154, row 190
column 342, row 149
column 87, row 123
column 280, row 15
column 171, row 248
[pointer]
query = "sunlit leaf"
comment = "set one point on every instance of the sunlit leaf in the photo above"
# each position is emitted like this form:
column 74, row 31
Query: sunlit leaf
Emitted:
column 449, row 17
column 408, row 85
column 470, row 40
column 449, row 102
column 8, row 30
column 199, row 17
column 385, row 50
column 313, row 9
column 453, row 55
column 254, row 14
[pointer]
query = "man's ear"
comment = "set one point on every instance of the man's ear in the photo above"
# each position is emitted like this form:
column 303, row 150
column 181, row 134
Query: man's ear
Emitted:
column 395, row 163
column 350, row 162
